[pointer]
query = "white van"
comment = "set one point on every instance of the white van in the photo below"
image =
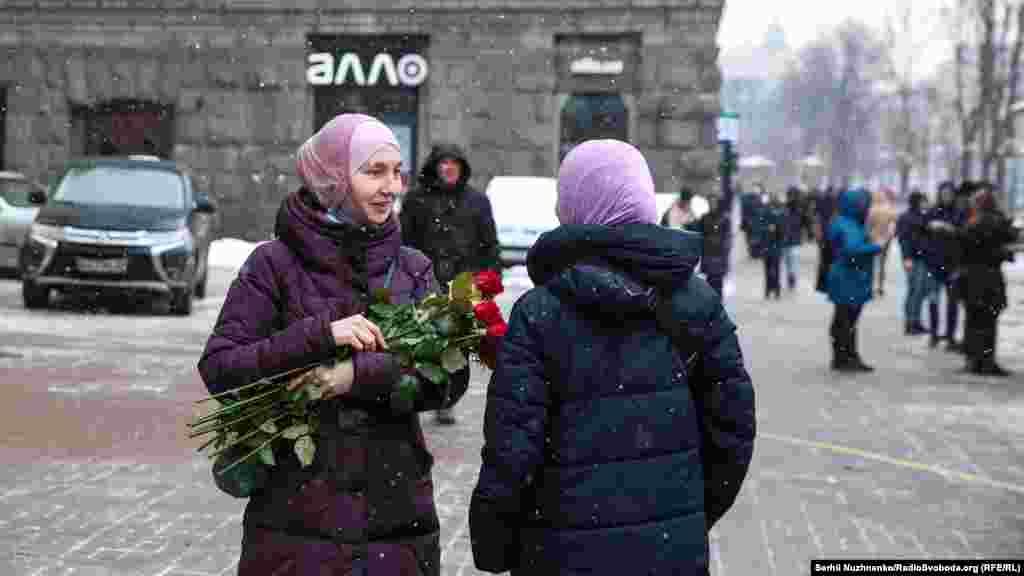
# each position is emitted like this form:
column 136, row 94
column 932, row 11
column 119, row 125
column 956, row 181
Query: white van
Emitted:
column 524, row 208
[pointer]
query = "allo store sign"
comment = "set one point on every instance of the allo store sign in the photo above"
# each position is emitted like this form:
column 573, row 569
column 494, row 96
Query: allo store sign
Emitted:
column 410, row 70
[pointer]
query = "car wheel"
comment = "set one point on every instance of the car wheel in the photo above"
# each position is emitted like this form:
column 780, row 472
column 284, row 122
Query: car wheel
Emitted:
column 34, row 295
column 181, row 302
column 201, row 285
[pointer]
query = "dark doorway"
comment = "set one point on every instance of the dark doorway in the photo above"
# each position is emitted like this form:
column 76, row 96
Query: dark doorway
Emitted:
column 395, row 105
column 123, row 127
column 591, row 116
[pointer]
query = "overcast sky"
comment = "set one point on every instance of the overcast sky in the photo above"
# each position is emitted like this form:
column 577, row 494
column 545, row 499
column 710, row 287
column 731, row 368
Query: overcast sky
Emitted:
column 746, row 21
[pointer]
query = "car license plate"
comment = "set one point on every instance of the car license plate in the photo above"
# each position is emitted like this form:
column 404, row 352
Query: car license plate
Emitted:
column 102, row 266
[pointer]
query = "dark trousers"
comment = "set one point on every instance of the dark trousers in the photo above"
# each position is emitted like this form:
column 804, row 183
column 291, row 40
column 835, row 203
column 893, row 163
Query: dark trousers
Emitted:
column 980, row 336
column 952, row 309
column 844, row 333
column 772, row 284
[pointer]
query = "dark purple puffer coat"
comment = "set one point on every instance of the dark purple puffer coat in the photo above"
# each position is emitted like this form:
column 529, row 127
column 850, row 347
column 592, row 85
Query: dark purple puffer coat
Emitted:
column 366, row 505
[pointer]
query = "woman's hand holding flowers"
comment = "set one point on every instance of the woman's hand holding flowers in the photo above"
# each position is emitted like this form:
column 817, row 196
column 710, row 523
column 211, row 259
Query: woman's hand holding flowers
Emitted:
column 359, row 333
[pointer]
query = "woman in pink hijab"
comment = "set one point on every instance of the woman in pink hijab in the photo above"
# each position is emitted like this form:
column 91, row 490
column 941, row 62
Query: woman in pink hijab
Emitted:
column 593, row 440
column 366, row 504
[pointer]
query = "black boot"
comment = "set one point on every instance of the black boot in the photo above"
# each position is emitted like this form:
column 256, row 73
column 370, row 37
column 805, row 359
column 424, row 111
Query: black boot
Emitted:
column 933, row 315
column 992, row 369
column 855, row 360
column 840, row 359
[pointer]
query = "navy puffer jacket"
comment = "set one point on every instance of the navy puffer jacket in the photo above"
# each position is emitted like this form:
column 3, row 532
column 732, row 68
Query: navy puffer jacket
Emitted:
column 597, row 457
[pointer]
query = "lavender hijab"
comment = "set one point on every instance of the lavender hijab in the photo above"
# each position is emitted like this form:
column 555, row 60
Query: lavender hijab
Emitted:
column 328, row 159
column 605, row 182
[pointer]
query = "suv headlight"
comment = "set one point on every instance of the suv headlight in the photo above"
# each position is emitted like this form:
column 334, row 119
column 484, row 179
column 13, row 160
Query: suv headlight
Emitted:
column 45, row 234
column 178, row 236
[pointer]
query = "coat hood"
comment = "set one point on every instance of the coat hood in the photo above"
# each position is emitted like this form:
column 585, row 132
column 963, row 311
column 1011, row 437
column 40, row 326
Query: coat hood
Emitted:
column 613, row 271
column 429, row 178
column 854, row 204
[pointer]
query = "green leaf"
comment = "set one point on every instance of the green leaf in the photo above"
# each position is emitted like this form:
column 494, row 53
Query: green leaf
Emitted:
column 432, row 372
column 433, row 301
column 453, row 360
column 382, row 296
column 267, row 455
column 269, row 427
column 256, row 440
column 242, row 480
column 293, row 432
column 403, row 399
column 430, row 349
column 383, row 310
column 462, row 286
column 305, row 450
column 313, row 392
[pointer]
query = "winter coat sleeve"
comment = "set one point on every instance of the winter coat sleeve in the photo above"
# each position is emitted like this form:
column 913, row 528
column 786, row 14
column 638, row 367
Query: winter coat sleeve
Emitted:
column 377, row 372
column 515, row 421
column 724, row 394
column 248, row 341
column 849, row 245
column 487, row 256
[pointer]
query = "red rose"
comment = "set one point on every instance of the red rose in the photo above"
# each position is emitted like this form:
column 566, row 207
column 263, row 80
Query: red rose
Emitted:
column 489, row 283
column 497, row 330
column 488, row 313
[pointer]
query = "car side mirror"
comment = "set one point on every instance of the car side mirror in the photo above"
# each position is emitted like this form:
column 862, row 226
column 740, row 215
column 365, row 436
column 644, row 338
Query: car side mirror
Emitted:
column 37, row 197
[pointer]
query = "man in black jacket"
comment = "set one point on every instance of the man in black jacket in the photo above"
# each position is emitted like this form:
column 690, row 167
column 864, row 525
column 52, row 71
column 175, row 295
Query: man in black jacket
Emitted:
column 910, row 230
column 450, row 221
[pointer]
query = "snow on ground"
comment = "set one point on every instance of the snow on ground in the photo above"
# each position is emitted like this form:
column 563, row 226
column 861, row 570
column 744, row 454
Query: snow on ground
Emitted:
column 230, row 252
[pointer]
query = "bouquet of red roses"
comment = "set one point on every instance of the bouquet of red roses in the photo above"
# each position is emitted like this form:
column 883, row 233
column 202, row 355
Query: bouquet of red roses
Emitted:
column 431, row 339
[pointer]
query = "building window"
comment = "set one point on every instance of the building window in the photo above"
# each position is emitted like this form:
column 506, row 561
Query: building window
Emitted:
column 122, row 127
column 591, row 116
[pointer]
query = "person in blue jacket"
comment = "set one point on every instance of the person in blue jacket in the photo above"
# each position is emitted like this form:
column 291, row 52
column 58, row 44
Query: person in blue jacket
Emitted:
column 849, row 277
column 610, row 447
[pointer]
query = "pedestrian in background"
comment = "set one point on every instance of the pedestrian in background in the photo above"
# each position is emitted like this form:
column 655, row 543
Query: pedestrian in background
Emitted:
column 985, row 239
column 942, row 253
column 849, row 277
column 679, row 215
column 605, row 448
column 910, row 232
column 774, row 222
column 882, row 229
column 716, row 240
column 792, row 235
column 451, row 222
column 366, row 503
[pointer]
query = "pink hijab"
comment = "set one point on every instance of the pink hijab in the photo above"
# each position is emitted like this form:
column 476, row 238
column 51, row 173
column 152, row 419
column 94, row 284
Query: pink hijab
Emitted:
column 605, row 182
column 328, row 159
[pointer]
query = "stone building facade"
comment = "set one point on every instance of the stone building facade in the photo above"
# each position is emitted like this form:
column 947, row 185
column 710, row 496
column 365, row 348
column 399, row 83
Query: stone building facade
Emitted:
column 230, row 88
